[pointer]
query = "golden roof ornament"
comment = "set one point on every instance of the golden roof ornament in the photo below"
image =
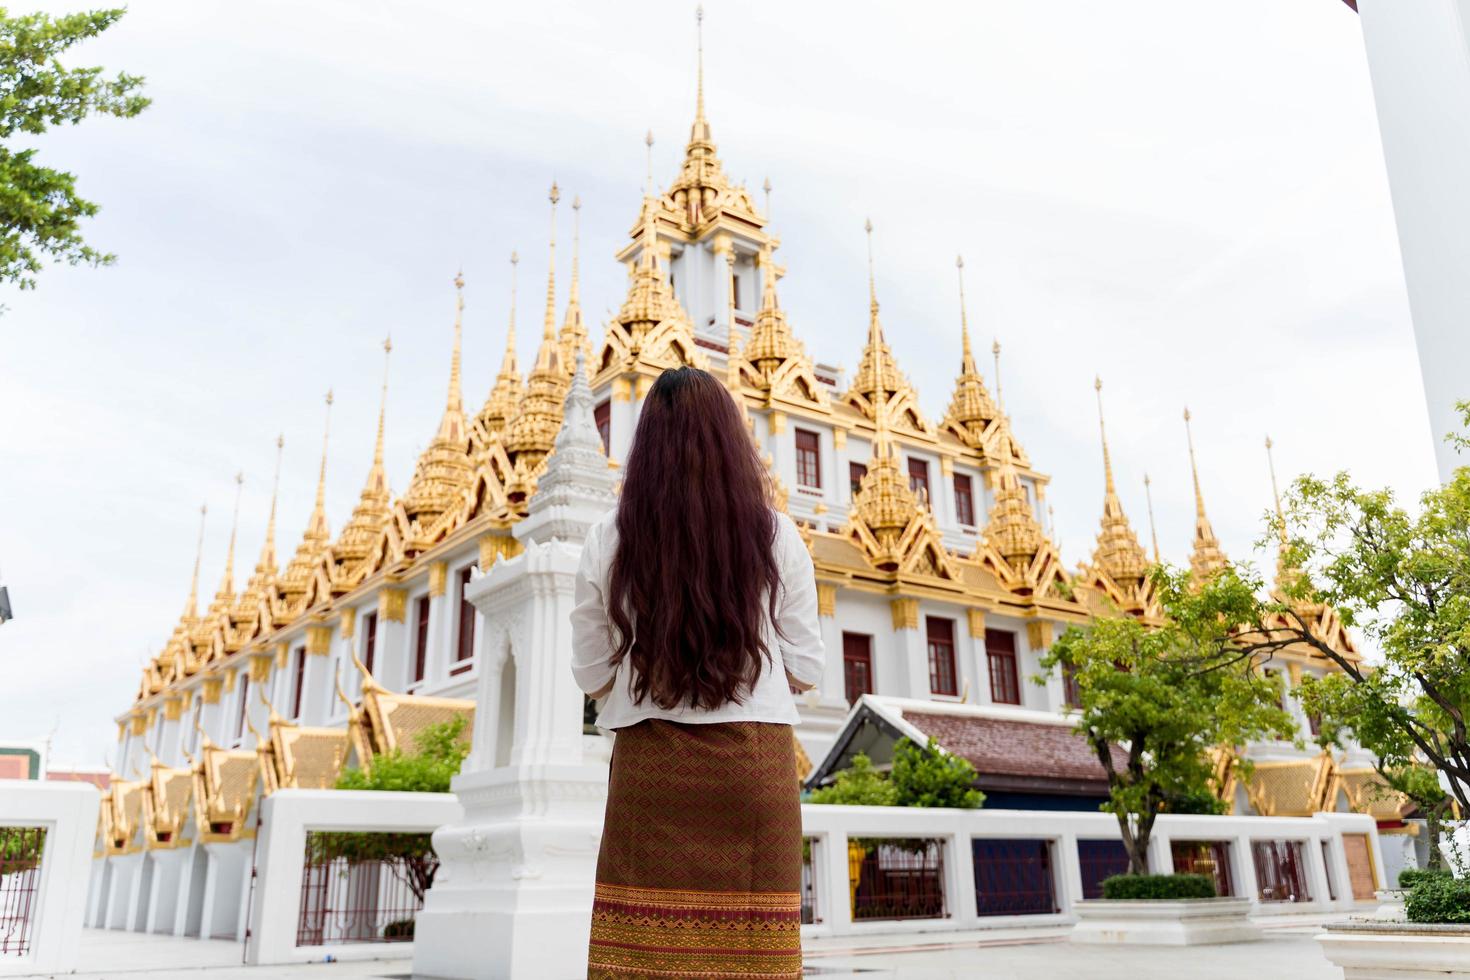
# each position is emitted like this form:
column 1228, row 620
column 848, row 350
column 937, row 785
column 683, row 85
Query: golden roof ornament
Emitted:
column 374, row 510
column 970, row 408
column 878, row 378
column 1206, row 557
column 531, row 434
column 444, row 470
column 509, row 388
column 314, row 542
column 1118, row 552
column 179, row 645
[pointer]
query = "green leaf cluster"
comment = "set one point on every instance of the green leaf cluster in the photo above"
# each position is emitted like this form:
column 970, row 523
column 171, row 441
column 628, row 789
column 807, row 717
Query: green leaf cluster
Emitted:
column 441, row 749
column 40, row 210
column 1409, row 877
column 1157, row 888
column 922, row 776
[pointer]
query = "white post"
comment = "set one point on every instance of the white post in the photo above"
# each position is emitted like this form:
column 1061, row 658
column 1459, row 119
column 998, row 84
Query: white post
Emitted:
column 513, row 896
column 1419, row 59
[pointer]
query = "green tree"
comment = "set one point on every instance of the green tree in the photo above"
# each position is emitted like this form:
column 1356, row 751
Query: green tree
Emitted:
column 1404, row 580
column 1156, row 699
column 928, row 776
column 40, row 211
column 858, row 785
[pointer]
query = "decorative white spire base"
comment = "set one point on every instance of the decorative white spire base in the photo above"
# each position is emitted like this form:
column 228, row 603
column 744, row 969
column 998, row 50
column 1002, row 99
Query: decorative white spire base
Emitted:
column 513, row 895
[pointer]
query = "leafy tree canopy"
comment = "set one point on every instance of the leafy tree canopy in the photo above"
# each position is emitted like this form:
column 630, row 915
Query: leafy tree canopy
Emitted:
column 1163, row 696
column 40, row 211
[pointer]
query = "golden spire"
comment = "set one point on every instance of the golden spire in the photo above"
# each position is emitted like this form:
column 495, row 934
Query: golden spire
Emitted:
column 573, row 333
column 876, row 373
column 1148, row 494
column 315, row 541
column 265, row 567
column 191, row 608
column 548, row 330
column 227, row 583
column 970, row 408
column 455, row 401
column 532, row 432
column 1000, row 400
column 648, row 191
column 1275, row 493
column 373, row 508
column 767, row 188
column 884, row 502
column 771, row 342
column 1118, row 552
column 444, row 469
column 700, row 131
column 505, row 397
column 1206, row 558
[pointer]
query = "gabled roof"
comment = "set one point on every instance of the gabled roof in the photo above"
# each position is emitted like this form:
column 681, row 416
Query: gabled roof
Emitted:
column 1013, row 749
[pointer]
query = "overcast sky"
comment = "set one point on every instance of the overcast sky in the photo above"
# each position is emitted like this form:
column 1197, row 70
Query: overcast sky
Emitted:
column 1187, row 198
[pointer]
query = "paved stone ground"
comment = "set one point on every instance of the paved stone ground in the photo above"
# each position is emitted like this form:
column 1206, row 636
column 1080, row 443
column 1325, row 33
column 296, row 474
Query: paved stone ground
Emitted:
column 1289, row 951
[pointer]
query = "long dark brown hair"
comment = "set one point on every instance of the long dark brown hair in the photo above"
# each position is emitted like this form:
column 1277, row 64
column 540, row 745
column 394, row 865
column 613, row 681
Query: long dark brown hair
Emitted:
column 694, row 575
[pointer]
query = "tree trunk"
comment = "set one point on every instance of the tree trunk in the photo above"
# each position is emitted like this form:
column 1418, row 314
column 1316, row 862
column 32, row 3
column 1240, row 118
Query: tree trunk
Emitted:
column 1432, row 817
column 1135, row 842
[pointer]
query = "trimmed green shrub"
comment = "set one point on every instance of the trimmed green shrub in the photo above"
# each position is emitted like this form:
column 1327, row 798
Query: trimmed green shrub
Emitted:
column 1409, row 877
column 1439, row 898
column 1157, row 888
column 859, row 785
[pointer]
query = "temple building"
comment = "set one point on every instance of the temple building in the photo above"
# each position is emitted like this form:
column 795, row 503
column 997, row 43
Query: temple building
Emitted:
column 940, row 584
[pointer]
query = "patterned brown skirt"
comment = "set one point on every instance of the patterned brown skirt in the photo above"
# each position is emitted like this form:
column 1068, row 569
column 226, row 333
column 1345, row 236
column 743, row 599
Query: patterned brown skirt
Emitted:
column 700, row 869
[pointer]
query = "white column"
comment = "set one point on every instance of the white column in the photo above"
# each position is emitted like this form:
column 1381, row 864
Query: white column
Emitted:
column 513, row 897
column 1419, row 59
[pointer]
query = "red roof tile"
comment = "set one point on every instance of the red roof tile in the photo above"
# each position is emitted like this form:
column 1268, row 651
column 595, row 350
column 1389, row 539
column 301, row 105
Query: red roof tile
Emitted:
column 1007, row 747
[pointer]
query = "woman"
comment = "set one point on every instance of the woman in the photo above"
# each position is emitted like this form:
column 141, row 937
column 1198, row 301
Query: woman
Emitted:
column 695, row 619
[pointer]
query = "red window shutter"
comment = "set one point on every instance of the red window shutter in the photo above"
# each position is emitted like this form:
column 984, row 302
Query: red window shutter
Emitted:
column 857, row 665
column 808, row 459
column 964, row 500
column 421, row 638
column 1000, row 656
column 942, row 679
column 465, row 642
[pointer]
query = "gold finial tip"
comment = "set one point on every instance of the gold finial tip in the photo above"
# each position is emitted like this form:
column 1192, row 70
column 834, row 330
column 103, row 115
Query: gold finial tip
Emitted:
column 1146, row 480
column 767, row 186
column 514, row 257
column 699, row 13
column 868, row 225
column 281, row 441
column 648, row 140
column 555, row 193
column 1268, row 442
column 577, row 203
column 959, row 261
column 329, row 396
column 1186, row 413
column 995, row 347
column 459, row 279
column 388, row 344
column 240, row 478
column 1097, row 382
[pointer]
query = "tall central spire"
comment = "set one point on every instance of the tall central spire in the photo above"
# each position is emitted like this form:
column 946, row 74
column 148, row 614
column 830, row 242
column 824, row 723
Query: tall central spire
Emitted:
column 573, row 333
column 1102, row 429
column 699, row 132
column 455, row 401
column 1148, row 495
column 876, row 373
column 373, row 510
column 227, row 583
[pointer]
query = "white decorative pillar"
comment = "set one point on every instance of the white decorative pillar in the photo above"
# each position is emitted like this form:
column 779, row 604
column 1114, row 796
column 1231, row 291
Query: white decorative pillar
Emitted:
column 513, row 895
column 1419, row 59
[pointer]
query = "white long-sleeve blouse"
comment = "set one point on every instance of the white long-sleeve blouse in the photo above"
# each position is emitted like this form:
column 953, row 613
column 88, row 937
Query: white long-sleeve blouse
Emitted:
column 795, row 649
